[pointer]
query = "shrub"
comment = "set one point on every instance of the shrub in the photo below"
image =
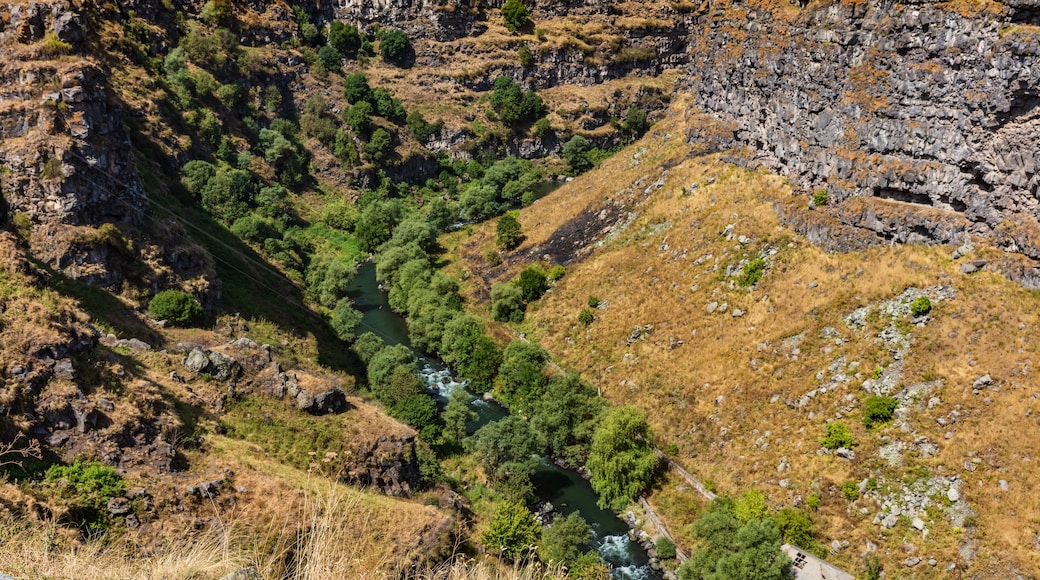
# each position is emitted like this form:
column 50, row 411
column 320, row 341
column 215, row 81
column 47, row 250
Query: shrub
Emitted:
column 394, row 46
column 525, row 56
column 515, row 15
column 635, row 121
column 813, row 502
column 532, row 283
column 420, row 127
column 507, row 302
column 346, row 39
column 820, row 198
column 665, row 548
column 380, row 146
column 622, row 460
column 175, row 306
column 752, row 272
column 838, row 435
column 585, row 317
column 512, row 531
column 575, row 151
column 514, row 105
column 345, row 320
column 797, row 528
column 920, row 306
column 53, row 46
column 593, row 301
column 359, row 117
column 356, row 89
column 493, row 258
column 509, row 232
column 878, row 410
column 750, row 506
column 564, row 540
column 542, row 128
column 330, row 58
column 87, row 486
column 850, row 489
column 556, row 272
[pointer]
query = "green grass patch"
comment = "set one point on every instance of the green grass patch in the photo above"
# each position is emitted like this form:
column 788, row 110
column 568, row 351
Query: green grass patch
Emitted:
column 287, row 435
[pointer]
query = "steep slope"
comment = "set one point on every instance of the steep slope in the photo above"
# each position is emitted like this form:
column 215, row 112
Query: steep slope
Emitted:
column 743, row 341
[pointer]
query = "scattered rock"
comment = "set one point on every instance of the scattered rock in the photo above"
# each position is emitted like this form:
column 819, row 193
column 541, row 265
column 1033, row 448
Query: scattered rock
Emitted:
column 912, row 561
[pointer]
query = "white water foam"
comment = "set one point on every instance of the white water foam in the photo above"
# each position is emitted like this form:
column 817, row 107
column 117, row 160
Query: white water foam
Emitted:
column 618, row 548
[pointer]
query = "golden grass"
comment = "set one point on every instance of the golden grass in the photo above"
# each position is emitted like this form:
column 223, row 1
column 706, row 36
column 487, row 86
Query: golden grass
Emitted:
column 711, row 396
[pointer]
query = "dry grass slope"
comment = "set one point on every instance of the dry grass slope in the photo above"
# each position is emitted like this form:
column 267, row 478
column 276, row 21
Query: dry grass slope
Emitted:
column 721, row 359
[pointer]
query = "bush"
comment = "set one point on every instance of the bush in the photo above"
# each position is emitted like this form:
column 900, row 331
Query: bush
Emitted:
column 665, row 548
column 507, row 302
column 356, row 89
column 87, row 487
column 345, row 320
column 813, row 502
column 512, row 532
column 750, row 506
column 380, row 146
column 575, row 151
column 394, row 46
column 920, row 306
column 532, row 282
column 564, row 540
column 797, row 528
column 514, row 105
column 556, row 272
column 585, row 317
column 493, row 258
column 330, row 58
column 838, row 435
column 359, row 118
column 420, row 127
column 346, row 39
column 515, row 15
column 509, row 232
column 850, row 489
column 752, row 272
column 593, row 301
column 820, row 198
column 525, row 56
column 878, row 410
column 176, row 307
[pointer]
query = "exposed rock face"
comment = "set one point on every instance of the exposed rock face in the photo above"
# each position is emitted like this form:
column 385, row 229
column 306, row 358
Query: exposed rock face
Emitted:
column 907, row 102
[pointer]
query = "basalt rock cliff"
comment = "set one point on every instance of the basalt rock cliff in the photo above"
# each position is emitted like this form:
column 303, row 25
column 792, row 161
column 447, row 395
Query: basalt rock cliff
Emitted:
column 930, row 105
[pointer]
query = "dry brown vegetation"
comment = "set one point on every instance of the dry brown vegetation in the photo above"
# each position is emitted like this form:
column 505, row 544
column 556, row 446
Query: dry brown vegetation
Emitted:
column 719, row 394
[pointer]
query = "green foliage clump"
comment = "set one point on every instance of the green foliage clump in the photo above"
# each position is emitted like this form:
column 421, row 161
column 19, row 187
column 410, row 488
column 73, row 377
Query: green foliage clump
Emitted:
column 567, row 416
column 513, row 105
column 359, row 118
column 872, row 567
column 380, row 145
column 838, row 435
column 345, row 320
column 752, row 272
column 555, row 273
column 356, row 88
column 575, row 151
column 513, row 532
column 729, row 549
column 665, row 548
column 565, row 539
column 797, row 528
column 593, row 301
column 330, row 58
column 533, row 283
column 176, row 307
column 813, row 501
column 622, row 460
column 510, row 234
column 367, row 346
column 521, row 377
column 850, row 489
column 422, row 129
column 920, row 306
column 820, row 198
column 394, row 46
column 636, row 122
column 515, row 16
column 508, row 450
column 87, row 487
column 750, row 506
column 346, row 39
column 878, row 410
column 585, row 317
column 505, row 184
column 507, row 302
column 457, row 413
column 525, row 56
column 493, row 258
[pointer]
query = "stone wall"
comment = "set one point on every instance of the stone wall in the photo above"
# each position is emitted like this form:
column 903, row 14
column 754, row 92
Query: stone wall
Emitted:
column 911, row 104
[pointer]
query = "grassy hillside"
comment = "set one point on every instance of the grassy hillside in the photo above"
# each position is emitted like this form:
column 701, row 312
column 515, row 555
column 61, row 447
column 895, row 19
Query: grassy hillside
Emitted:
column 739, row 339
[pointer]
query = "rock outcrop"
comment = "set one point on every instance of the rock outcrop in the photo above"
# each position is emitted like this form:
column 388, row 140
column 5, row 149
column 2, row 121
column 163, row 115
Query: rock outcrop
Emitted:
column 929, row 114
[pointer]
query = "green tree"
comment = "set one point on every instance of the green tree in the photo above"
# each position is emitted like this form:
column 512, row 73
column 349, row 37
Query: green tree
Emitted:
column 526, row 56
column 513, row 532
column 575, row 151
column 359, row 118
column 565, row 539
column 382, row 366
column 509, row 232
column 507, row 302
column 367, row 345
column 567, row 416
column 388, row 107
column 533, row 282
column 345, row 320
column 330, row 58
column 515, row 15
column 420, row 127
column 796, row 527
column 176, row 307
column 394, row 46
column 356, row 89
column 507, row 449
column 457, row 413
column 345, row 38
column 380, row 146
column 730, row 550
column 838, row 435
column 622, row 459
column 521, row 378
column 635, row 121
column 420, row 412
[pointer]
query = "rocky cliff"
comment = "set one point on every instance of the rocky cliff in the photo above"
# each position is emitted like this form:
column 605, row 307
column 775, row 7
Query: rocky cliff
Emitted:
column 930, row 106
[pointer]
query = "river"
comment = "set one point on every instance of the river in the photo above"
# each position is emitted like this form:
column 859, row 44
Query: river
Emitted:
column 564, row 488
